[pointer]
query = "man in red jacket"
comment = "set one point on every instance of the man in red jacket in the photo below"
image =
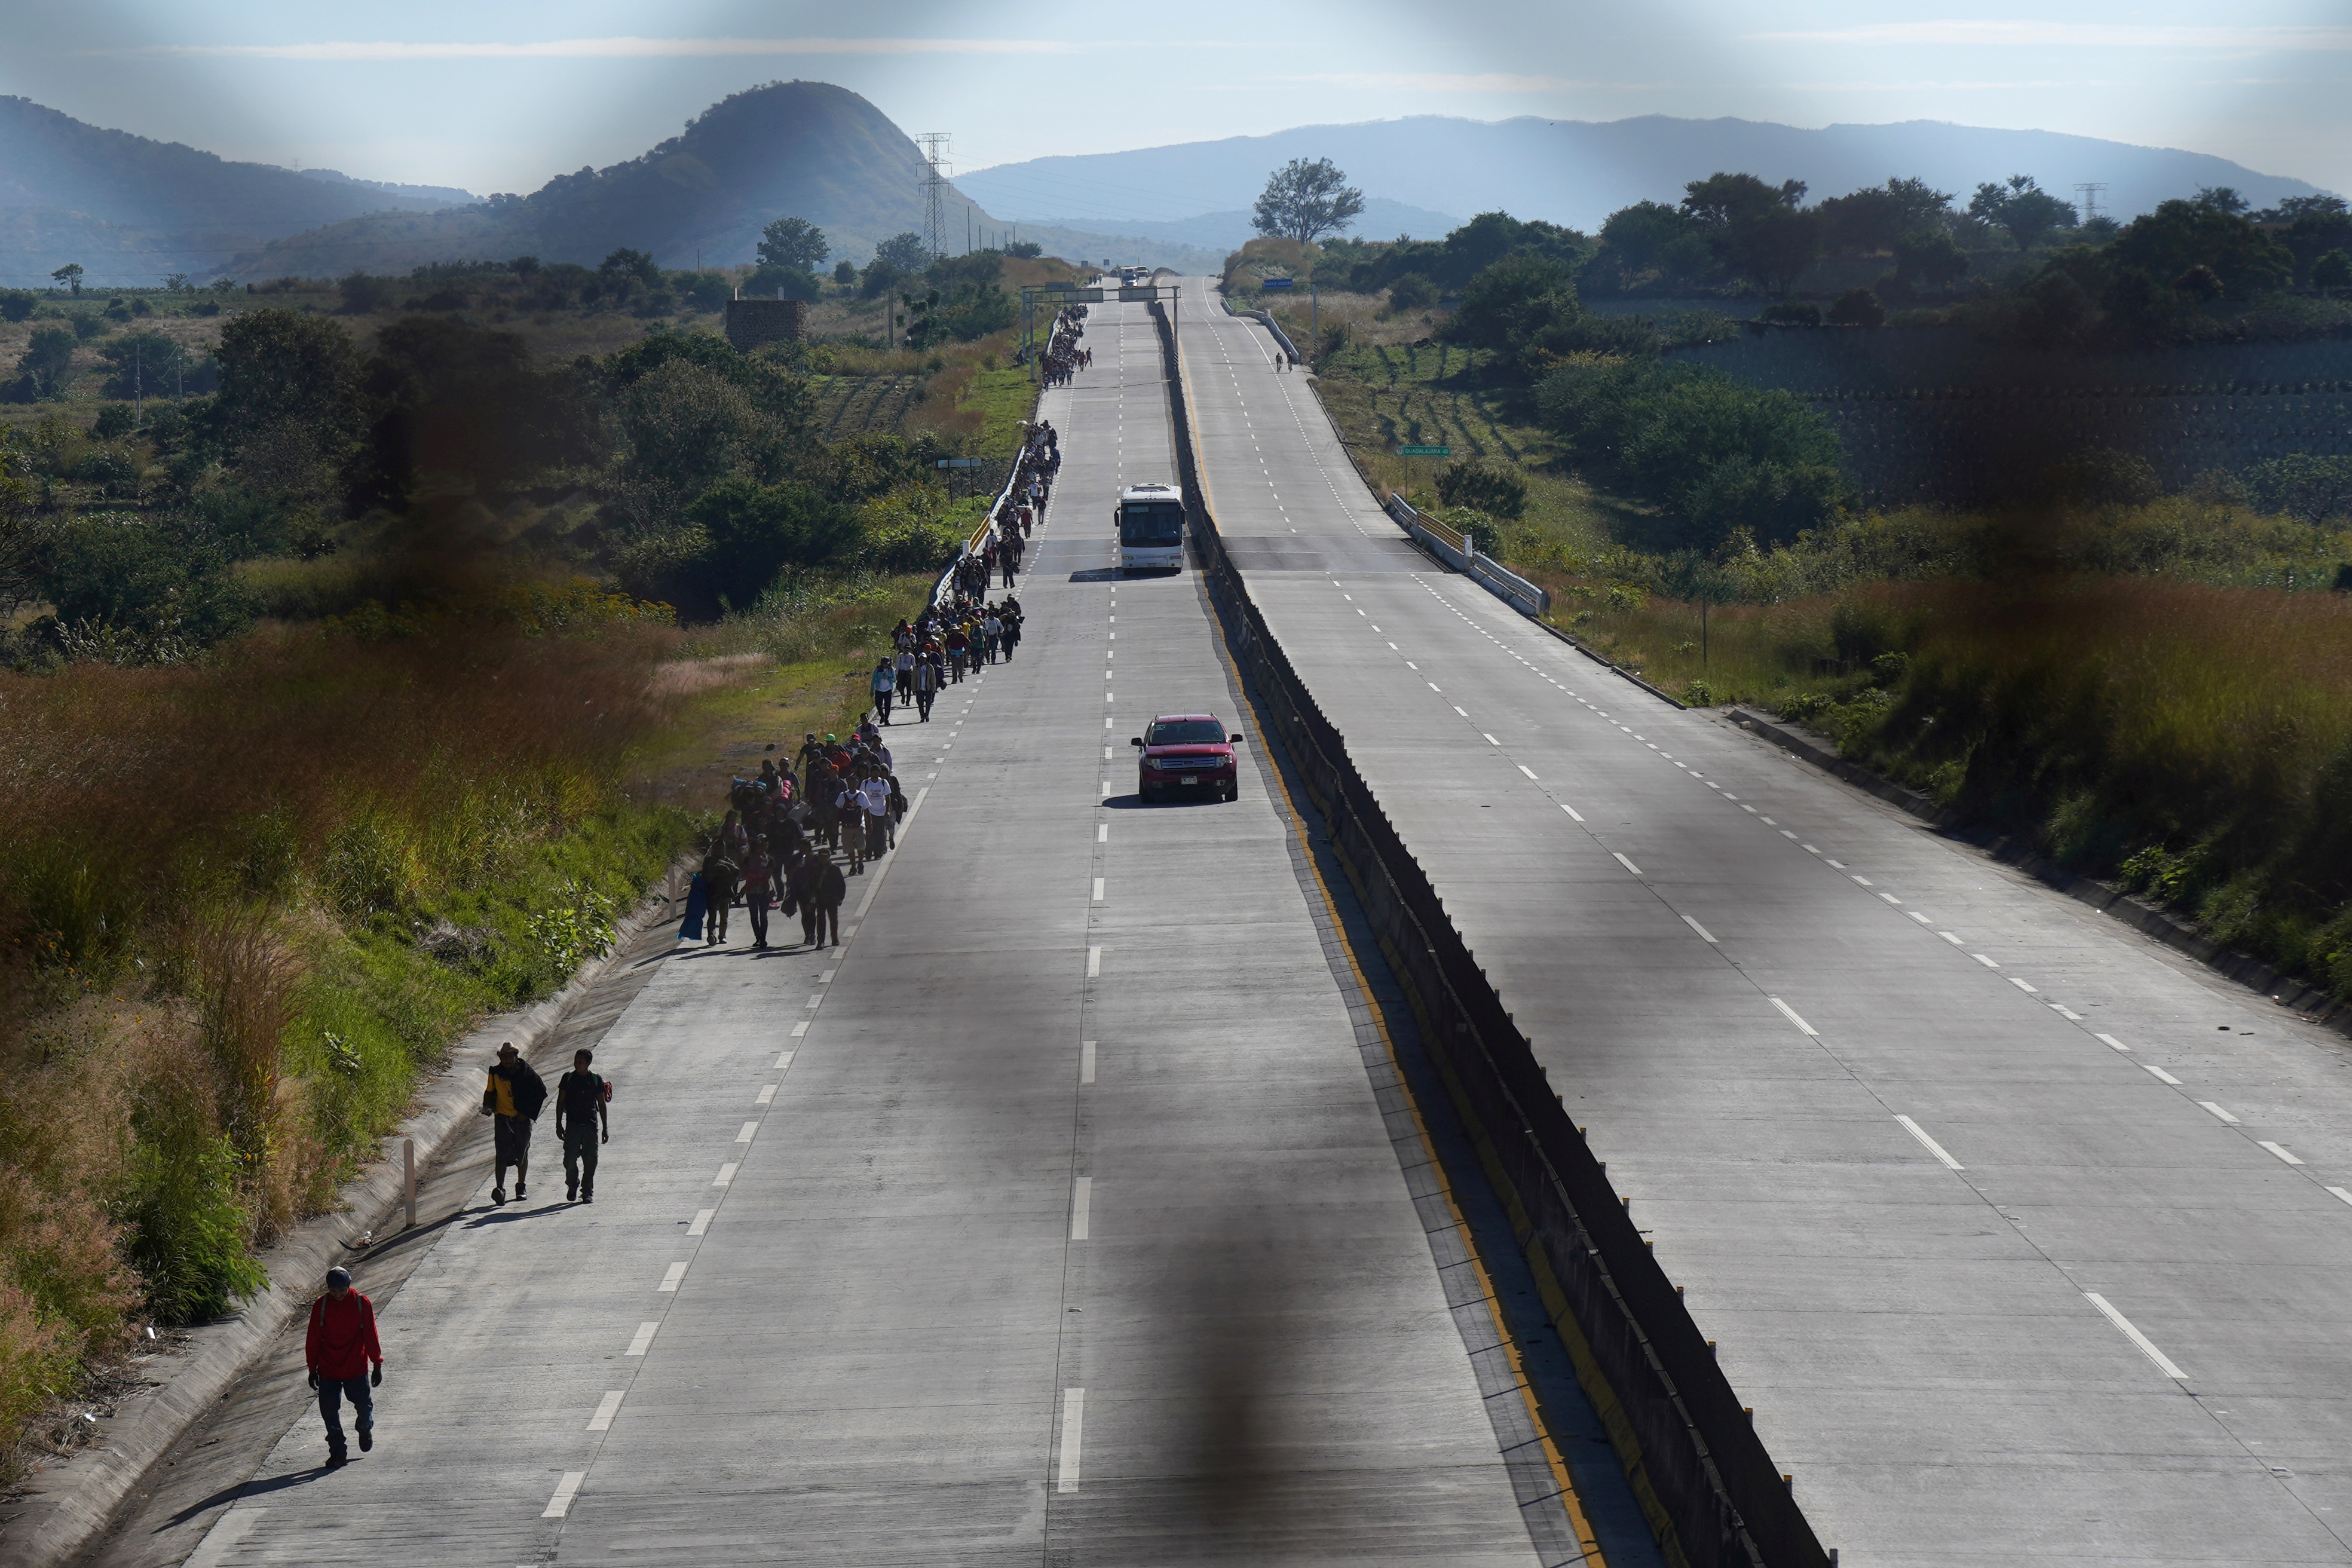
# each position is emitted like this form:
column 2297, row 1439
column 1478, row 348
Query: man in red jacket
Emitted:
column 341, row 1345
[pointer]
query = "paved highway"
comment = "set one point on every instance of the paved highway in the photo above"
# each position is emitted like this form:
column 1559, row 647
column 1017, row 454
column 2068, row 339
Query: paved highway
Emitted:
column 1068, row 1213
column 2025, row 1238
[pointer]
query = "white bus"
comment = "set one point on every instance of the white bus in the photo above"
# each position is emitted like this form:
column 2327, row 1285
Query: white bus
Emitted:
column 1150, row 523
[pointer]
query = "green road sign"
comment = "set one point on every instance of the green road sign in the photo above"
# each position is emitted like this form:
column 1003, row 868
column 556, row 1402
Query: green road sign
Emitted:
column 1425, row 451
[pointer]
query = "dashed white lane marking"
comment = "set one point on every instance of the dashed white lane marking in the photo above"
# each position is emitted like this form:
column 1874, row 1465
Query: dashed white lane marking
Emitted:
column 1099, row 890
column 2216, row 1111
column 784, row 1060
column 606, row 1409
column 1102, row 834
column 2277, row 1149
column 565, row 1490
column 1790, row 1014
column 816, row 1002
column 2066, row 1012
column 2340, row 1192
column 702, row 1218
column 1929, row 1144
column 1526, row 770
column 1955, row 941
column 2163, row 1362
column 1094, row 962
column 1490, row 740
column 800, row 1029
column 726, row 1174
column 2024, row 986
column 1458, row 709
column 676, row 1272
column 2161, row 1074
column 1086, row 1061
column 1074, row 1409
column 2111, row 1040
column 767, row 1095
column 1627, row 864
column 1571, row 811
column 750, row 1131
column 1892, row 899
column 1704, row 935
column 646, row 1332
column 1988, row 963
column 1082, row 1203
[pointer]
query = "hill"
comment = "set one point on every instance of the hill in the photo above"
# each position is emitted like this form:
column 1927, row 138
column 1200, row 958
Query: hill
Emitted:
column 130, row 209
column 803, row 148
column 1578, row 171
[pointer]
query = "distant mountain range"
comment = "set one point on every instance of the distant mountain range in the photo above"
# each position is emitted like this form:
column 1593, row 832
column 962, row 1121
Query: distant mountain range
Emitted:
column 1578, row 171
column 131, row 210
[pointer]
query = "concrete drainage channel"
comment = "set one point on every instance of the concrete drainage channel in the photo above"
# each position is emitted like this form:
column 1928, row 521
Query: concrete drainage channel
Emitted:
column 1713, row 1493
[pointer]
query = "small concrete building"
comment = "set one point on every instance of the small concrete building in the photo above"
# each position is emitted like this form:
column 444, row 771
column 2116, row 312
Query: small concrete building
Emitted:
column 750, row 322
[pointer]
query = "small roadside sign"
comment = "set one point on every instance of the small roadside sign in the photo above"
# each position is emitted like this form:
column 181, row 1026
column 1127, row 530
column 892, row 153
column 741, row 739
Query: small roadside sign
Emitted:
column 1425, row 451
column 1279, row 283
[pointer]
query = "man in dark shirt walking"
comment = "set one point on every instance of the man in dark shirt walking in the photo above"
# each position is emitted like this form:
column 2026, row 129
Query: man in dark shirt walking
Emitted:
column 581, row 1113
column 512, row 1098
column 340, row 1343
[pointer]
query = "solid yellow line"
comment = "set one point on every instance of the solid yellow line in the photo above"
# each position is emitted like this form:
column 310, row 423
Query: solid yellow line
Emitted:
column 1586, row 1538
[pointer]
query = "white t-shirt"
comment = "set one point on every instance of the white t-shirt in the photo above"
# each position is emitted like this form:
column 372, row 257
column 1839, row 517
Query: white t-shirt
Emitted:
column 875, row 796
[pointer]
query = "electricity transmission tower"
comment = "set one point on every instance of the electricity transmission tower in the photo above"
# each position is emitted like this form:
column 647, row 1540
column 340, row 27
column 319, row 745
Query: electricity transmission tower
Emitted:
column 2088, row 193
column 935, row 146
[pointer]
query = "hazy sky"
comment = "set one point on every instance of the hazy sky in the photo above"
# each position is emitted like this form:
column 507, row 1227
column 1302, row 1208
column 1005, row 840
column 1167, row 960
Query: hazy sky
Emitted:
column 500, row 96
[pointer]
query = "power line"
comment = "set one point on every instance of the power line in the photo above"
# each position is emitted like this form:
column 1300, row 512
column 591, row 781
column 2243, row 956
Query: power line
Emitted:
column 2087, row 193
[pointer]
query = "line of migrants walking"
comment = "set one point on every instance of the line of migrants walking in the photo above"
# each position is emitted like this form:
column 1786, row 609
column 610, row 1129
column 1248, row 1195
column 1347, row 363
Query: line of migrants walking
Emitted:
column 999, row 552
column 1063, row 358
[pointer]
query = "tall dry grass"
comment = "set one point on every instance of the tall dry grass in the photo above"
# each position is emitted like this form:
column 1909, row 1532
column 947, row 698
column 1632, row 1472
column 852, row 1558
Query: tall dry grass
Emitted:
column 2192, row 739
column 214, row 994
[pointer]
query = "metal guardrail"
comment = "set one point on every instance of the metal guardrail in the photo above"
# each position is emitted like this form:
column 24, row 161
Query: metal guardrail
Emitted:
column 1462, row 555
column 942, row 590
column 1705, row 1479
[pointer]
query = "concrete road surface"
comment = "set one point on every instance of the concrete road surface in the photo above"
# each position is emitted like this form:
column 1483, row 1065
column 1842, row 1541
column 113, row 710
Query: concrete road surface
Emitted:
column 2025, row 1238
column 1061, row 1214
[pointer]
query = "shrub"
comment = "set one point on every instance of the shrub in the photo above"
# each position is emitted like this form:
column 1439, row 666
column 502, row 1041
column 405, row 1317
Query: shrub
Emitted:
column 1857, row 308
column 1497, row 492
column 1793, row 313
column 1412, row 292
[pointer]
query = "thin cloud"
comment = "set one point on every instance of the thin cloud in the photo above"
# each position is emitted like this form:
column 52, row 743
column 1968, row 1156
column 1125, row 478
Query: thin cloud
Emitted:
column 1435, row 82
column 2087, row 35
column 621, row 48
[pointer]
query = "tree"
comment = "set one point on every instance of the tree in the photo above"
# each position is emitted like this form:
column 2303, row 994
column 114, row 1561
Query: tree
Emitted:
column 903, row 253
column 2023, row 208
column 2222, row 199
column 2179, row 236
column 1025, row 249
column 2332, row 271
column 794, row 242
column 627, row 267
column 289, row 398
column 1304, row 201
column 1873, row 219
column 845, row 272
column 1651, row 242
column 46, row 363
column 147, row 365
column 1929, row 256
column 70, row 276
column 1759, row 232
column 177, row 282
column 1515, row 296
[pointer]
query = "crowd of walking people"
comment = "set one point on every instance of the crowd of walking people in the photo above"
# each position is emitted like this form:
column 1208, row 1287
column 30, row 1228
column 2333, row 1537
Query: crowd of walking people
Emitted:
column 1063, row 358
column 794, row 834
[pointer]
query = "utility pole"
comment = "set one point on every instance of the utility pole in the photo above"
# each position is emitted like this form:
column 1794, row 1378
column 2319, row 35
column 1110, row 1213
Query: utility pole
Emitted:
column 935, row 146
